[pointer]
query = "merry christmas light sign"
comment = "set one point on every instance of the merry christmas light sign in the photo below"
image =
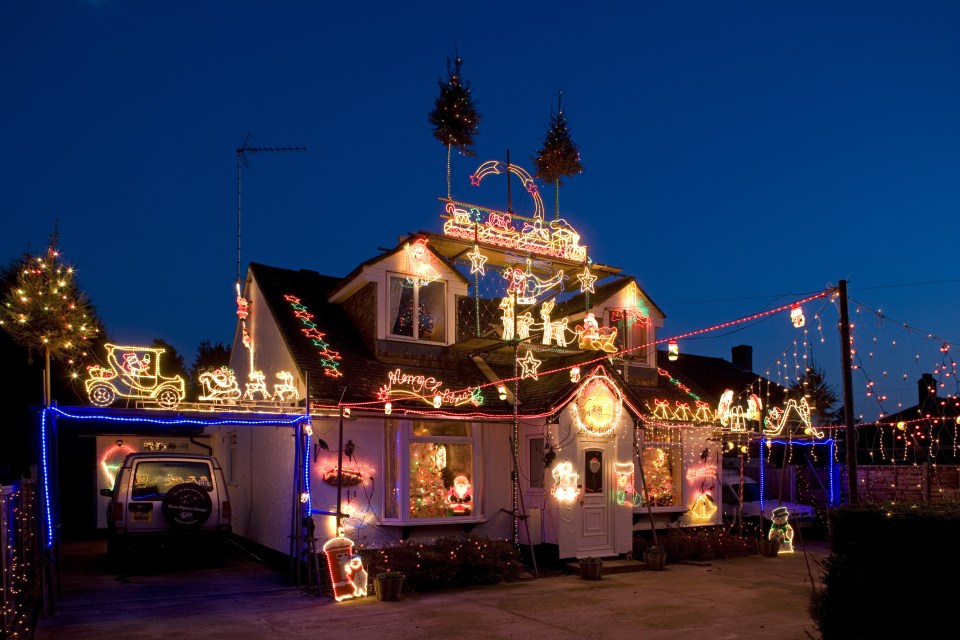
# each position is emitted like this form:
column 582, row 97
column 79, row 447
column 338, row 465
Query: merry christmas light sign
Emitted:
column 427, row 389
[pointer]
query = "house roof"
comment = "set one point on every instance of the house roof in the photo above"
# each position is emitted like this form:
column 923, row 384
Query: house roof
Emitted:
column 363, row 375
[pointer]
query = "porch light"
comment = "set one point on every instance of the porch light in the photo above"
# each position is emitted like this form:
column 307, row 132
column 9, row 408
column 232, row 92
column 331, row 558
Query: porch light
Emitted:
column 673, row 350
column 575, row 374
column 388, row 408
column 502, row 391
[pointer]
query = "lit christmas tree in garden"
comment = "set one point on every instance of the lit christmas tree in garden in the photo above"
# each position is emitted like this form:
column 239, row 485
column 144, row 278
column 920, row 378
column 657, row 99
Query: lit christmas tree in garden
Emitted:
column 454, row 117
column 559, row 156
column 45, row 310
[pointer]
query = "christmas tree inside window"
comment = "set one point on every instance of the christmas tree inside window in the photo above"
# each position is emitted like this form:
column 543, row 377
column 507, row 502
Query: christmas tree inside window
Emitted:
column 441, row 479
column 417, row 310
column 661, row 470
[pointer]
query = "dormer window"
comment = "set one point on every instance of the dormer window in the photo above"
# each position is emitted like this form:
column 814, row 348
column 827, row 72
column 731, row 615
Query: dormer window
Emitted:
column 416, row 311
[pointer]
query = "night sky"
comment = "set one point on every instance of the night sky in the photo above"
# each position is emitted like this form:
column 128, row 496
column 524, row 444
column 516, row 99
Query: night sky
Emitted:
column 737, row 155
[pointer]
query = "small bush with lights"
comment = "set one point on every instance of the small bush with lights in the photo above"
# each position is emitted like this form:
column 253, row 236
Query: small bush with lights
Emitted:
column 446, row 562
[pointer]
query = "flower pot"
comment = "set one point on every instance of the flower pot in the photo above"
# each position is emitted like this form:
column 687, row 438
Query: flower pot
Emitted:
column 591, row 568
column 656, row 560
column 770, row 548
column 389, row 588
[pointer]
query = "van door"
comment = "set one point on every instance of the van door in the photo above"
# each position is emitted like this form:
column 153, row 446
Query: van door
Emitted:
column 595, row 530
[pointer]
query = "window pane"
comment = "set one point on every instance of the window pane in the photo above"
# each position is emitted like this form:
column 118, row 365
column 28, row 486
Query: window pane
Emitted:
column 400, row 312
column 390, row 462
column 593, row 471
column 441, row 480
column 536, row 463
column 661, row 470
column 152, row 480
column 441, row 429
column 431, row 313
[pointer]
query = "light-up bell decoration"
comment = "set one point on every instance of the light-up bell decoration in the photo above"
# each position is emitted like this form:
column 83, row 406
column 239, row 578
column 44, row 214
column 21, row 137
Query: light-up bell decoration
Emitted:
column 673, row 350
column 796, row 316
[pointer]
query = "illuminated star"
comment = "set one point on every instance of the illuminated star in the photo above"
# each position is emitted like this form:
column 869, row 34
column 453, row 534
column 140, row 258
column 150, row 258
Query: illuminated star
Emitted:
column 586, row 280
column 477, row 261
column 475, row 180
column 530, row 366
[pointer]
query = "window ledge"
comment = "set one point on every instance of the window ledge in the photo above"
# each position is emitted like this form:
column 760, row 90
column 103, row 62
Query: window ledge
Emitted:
column 428, row 522
column 660, row 509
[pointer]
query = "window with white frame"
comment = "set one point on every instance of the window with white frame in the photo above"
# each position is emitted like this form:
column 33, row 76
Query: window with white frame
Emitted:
column 416, row 310
column 431, row 472
column 661, row 458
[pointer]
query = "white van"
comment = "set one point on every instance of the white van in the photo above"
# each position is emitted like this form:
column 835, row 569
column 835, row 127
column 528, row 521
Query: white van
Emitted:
column 801, row 514
column 168, row 500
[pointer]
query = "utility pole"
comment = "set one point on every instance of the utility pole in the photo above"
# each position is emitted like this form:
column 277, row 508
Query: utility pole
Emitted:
column 851, row 436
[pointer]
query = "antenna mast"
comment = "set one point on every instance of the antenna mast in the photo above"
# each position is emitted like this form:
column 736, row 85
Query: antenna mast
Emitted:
column 242, row 160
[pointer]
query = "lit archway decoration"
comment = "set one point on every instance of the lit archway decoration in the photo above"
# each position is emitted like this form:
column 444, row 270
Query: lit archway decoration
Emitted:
column 599, row 405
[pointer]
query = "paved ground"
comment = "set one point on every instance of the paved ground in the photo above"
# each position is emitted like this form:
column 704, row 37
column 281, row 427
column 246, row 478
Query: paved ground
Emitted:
column 753, row 597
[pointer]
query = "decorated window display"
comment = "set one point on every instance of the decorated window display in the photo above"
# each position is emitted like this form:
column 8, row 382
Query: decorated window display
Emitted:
column 661, row 469
column 416, row 310
column 430, row 471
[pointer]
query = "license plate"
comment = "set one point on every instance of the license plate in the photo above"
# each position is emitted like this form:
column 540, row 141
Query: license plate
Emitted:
column 140, row 516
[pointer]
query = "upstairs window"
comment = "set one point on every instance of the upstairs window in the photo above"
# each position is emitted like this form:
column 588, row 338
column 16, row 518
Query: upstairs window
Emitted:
column 416, row 311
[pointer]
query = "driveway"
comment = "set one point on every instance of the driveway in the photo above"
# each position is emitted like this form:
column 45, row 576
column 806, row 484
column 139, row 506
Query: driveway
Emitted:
column 753, row 597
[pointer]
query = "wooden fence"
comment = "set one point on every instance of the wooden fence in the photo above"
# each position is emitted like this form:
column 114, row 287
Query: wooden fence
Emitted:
column 908, row 483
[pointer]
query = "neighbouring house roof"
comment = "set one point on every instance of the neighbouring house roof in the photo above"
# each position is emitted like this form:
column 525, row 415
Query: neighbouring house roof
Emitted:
column 715, row 375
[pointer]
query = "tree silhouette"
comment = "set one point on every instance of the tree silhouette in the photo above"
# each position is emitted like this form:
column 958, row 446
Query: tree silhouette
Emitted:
column 559, row 156
column 209, row 357
column 454, row 117
column 45, row 310
column 820, row 396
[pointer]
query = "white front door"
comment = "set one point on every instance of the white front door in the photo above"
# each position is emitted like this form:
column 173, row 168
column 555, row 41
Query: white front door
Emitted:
column 594, row 530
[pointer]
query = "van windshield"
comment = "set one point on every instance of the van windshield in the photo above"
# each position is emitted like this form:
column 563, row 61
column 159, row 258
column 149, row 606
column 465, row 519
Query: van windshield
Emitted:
column 152, row 480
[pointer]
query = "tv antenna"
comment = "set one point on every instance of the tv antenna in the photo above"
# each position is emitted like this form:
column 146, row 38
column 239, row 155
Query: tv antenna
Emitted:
column 242, row 162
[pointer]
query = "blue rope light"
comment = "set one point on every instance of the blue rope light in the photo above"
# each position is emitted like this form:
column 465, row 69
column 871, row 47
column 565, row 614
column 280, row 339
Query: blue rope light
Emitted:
column 46, row 476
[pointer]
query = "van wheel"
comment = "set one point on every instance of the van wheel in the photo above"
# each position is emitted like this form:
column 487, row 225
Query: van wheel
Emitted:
column 186, row 506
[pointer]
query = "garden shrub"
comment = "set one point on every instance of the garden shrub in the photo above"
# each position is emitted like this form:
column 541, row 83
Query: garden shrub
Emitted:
column 446, row 562
column 697, row 543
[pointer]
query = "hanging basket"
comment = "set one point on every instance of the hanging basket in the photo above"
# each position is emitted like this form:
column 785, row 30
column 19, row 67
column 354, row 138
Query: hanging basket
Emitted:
column 389, row 587
column 591, row 568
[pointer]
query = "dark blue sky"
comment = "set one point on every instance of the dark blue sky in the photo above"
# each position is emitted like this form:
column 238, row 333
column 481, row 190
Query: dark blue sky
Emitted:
column 737, row 155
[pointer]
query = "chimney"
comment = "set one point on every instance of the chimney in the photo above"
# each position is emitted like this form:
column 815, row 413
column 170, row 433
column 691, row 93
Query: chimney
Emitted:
column 742, row 357
column 927, row 388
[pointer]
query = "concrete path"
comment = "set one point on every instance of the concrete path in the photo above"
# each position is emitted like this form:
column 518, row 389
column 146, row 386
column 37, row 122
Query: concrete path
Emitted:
column 753, row 597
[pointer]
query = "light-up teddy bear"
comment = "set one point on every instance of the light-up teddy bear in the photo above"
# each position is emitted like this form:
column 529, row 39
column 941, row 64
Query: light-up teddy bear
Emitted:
column 458, row 497
column 781, row 531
